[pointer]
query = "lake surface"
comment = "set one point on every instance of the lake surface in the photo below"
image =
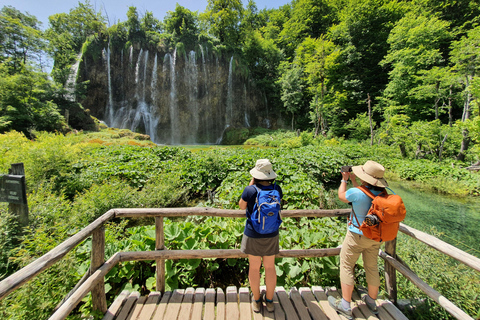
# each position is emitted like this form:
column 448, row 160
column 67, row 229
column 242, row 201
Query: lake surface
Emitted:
column 457, row 218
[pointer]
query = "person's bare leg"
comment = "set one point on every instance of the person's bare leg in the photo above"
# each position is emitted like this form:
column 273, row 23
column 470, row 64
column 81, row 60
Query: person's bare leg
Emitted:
column 254, row 275
column 373, row 292
column 347, row 291
column 270, row 276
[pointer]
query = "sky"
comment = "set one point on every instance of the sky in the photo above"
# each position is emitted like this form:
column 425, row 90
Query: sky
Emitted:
column 117, row 9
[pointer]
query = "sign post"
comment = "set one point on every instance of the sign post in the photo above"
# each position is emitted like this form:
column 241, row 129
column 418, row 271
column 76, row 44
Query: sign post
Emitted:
column 13, row 191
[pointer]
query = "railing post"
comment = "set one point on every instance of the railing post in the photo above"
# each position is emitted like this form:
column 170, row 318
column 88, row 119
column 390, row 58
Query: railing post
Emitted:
column 390, row 272
column 99, row 299
column 160, row 245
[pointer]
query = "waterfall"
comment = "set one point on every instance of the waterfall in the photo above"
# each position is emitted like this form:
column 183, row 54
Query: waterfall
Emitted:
column 174, row 127
column 174, row 98
column 247, row 123
column 192, row 85
column 130, row 58
column 153, row 84
column 208, row 119
column 72, row 78
column 229, row 110
column 110, row 97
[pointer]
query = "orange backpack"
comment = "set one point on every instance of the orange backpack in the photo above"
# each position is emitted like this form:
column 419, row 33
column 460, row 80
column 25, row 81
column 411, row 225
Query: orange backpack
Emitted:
column 390, row 211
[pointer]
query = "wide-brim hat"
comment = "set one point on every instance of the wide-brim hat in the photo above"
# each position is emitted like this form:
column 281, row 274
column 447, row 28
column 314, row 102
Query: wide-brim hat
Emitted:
column 371, row 172
column 263, row 170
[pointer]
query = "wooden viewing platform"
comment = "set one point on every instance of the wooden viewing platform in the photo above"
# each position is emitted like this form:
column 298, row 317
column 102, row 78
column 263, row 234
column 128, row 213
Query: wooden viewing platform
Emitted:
column 210, row 304
column 184, row 304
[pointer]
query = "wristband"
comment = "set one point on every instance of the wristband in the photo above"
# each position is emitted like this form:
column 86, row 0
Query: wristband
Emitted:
column 344, row 181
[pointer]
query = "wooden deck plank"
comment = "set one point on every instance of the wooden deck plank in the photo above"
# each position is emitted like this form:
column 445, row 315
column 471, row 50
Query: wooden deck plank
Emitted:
column 297, row 302
column 391, row 309
column 220, row 304
column 312, row 305
column 197, row 310
column 137, row 309
column 174, row 304
column 132, row 299
column 162, row 306
column 278, row 313
column 232, row 312
column 322, row 299
column 209, row 304
column 150, row 306
column 362, row 306
column 187, row 304
column 116, row 305
column 244, row 304
column 290, row 312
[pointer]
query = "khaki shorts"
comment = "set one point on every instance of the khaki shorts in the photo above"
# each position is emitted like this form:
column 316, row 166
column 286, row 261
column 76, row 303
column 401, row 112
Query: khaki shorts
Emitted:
column 260, row 247
column 354, row 245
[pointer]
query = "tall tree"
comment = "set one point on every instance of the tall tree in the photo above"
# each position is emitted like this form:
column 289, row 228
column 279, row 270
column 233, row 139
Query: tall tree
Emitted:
column 466, row 58
column 21, row 40
column 292, row 86
column 183, row 25
column 361, row 34
column 224, row 17
column 318, row 57
column 68, row 32
column 415, row 44
column 310, row 18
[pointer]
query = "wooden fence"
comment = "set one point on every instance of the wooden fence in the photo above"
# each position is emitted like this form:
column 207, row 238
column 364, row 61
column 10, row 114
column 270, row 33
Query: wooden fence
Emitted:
column 93, row 280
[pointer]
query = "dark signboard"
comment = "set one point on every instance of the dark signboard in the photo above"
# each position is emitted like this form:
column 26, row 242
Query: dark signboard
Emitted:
column 12, row 189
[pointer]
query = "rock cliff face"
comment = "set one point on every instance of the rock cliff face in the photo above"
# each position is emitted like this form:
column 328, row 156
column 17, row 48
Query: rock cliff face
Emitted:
column 176, row 98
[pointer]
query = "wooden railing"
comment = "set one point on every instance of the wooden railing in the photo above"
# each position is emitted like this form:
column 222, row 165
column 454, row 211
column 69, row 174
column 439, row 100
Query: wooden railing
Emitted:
column 93, row 280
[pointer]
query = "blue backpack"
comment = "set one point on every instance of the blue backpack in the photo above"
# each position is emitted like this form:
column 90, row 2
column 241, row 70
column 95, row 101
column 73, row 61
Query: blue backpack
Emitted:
column 266, row 211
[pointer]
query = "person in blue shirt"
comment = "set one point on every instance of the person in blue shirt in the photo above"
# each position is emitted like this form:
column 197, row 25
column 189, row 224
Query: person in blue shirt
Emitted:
column 355, row 243
column 260, row 247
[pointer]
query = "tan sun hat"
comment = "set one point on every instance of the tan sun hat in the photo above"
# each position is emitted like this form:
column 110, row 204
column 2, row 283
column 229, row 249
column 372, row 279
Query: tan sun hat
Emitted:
column 371, row 172
column 263, row 170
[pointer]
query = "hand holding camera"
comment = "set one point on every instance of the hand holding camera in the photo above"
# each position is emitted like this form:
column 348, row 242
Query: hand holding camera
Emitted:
column 346, row 169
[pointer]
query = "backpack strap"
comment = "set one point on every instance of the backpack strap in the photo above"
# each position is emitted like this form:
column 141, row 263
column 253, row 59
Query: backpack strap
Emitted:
column 369, row 194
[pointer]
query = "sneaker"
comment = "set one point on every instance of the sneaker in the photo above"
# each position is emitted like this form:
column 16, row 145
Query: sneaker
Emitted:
column 257, row 305
column 269, row 304
column 371, row 306
column 337, row 305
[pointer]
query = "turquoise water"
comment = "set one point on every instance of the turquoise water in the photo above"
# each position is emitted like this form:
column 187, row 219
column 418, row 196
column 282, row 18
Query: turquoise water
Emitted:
column 456, row 218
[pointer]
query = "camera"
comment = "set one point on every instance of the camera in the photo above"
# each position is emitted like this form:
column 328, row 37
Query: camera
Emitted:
column 346, row 169
column 371, row 220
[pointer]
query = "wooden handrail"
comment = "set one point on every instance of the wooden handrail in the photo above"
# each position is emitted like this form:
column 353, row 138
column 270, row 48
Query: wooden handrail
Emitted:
column 94, row 283
column 451, row 251
column 429, row 291
column 23, row 275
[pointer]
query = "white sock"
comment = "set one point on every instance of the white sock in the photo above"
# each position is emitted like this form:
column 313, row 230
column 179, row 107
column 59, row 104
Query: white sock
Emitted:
column 345, row 304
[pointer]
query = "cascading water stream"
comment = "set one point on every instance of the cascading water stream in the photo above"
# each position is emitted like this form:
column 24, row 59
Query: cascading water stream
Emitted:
column 72, row 78
column 229, row 111
column 174, row 127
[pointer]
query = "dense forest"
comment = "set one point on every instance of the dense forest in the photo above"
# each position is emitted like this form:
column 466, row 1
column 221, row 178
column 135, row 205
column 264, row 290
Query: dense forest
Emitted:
column 351, row 80
column 399, row 73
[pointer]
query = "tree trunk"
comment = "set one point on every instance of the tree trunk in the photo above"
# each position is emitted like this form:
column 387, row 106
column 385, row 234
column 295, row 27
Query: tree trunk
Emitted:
column 465, row 133
column 440, row 149
column 293, row 117
column 403, row 150
column 437, row 86
column 450, row 110
column 370, row 118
